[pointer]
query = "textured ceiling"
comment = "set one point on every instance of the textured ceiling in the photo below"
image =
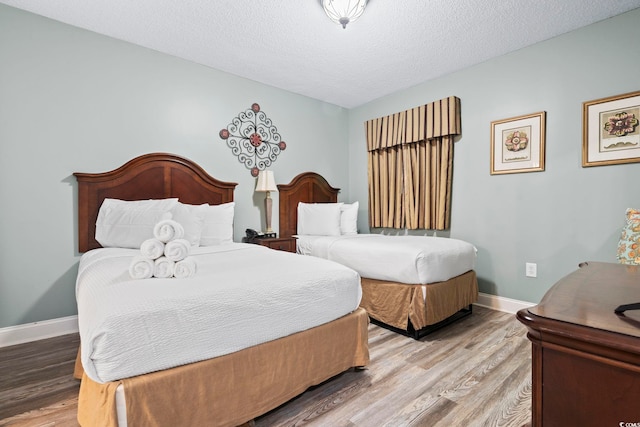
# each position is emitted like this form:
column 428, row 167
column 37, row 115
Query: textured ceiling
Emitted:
column 292, row 45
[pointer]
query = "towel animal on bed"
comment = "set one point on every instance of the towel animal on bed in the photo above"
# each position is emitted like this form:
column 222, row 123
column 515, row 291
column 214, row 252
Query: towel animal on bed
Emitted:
column 165, row 255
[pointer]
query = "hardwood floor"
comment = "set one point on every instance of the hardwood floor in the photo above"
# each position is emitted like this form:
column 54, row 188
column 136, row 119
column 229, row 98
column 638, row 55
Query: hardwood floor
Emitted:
column 36, row 383
column 476, row 372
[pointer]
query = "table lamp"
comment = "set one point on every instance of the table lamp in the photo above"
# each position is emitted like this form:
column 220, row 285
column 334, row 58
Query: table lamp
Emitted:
column 266, row 183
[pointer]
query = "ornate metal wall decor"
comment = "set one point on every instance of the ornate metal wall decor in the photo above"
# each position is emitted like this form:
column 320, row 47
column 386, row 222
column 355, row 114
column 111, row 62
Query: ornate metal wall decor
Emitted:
column 254, row 139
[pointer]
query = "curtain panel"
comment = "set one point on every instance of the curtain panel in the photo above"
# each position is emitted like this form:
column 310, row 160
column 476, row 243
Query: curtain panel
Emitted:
column 410, row 166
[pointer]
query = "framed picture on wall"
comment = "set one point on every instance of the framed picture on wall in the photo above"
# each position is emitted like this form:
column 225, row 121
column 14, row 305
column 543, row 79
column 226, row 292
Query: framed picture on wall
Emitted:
column 517, row 144
column 610, row 130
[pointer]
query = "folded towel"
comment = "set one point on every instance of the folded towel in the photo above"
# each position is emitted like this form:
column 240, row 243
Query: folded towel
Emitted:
column 163, row 268
column 185, row 268
column 167, row 230
column 152, row 248
column 177, row 250
column 141, row 267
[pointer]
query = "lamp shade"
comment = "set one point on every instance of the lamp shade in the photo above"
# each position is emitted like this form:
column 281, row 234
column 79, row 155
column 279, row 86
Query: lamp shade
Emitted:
column 343, row 11
column 266, row 182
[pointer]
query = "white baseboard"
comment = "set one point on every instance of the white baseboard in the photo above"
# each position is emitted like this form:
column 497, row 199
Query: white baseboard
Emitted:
column 38, row 330
column 507, row 305
column 68, row 325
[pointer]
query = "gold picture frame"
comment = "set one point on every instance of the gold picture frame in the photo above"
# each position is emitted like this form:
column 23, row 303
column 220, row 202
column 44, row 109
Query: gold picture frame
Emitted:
column 518, row 144
column 611, row 130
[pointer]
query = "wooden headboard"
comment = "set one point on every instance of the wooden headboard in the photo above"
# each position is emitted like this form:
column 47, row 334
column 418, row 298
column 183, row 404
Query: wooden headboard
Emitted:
column 308, row 187
column 150, row 176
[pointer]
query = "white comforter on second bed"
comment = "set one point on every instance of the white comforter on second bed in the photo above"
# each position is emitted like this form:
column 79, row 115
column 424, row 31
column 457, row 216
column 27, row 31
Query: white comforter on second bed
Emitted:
column 242, row 295
column 405, row 259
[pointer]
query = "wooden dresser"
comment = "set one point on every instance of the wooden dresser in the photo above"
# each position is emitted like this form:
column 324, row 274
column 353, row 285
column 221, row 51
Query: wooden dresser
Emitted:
column 585, row 358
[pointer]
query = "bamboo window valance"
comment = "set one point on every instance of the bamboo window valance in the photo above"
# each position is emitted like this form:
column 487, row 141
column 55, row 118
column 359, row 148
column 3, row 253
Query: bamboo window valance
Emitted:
column 434, row 120
column 411, row 166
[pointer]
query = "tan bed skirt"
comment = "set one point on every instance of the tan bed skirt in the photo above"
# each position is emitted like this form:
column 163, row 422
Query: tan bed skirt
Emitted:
column 232, row 389
column 395, row 303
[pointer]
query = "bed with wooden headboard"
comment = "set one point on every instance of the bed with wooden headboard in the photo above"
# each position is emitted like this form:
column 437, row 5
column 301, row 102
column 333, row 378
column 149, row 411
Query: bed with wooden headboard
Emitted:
column 228, row 390
column 411, row 309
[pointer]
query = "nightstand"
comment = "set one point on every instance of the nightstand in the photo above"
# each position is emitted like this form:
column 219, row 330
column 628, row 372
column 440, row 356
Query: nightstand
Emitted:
column 287, row 244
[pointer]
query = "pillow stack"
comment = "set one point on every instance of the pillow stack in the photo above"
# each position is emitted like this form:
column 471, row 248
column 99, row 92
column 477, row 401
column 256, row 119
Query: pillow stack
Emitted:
column 166, row 255
column 127, row 224
column 327, row 219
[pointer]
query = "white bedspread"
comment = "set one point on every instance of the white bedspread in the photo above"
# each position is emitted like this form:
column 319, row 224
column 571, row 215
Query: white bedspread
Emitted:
column 241, row 295
column 404, row 259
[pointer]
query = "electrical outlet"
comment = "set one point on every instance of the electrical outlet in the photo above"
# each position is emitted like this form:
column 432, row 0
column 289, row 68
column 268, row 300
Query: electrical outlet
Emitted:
column 531, row 269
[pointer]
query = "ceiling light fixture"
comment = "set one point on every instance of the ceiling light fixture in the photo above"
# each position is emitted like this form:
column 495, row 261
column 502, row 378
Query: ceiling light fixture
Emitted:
column 343, row 11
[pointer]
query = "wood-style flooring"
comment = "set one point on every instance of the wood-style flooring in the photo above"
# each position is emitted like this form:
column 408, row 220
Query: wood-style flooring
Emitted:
column 476, row 372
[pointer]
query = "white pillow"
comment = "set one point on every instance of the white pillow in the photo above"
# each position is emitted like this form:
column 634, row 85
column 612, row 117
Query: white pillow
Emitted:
column 319, row 219
column 191, row 217
column 126, row 224
column 349, row 218
column 218, row 225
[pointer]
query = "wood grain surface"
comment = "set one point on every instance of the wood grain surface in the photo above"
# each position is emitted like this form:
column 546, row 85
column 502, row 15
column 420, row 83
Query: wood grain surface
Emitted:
column 476, row 372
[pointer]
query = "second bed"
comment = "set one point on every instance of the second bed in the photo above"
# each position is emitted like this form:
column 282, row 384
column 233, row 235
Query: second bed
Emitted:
column 410, row 284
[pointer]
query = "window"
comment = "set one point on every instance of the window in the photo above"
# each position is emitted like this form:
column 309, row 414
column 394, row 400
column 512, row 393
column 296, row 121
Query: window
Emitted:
column 410, row 166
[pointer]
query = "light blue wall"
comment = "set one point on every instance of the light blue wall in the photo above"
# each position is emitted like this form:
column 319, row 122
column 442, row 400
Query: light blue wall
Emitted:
column 72, row 100
column 556, row 218
column 75, row 101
